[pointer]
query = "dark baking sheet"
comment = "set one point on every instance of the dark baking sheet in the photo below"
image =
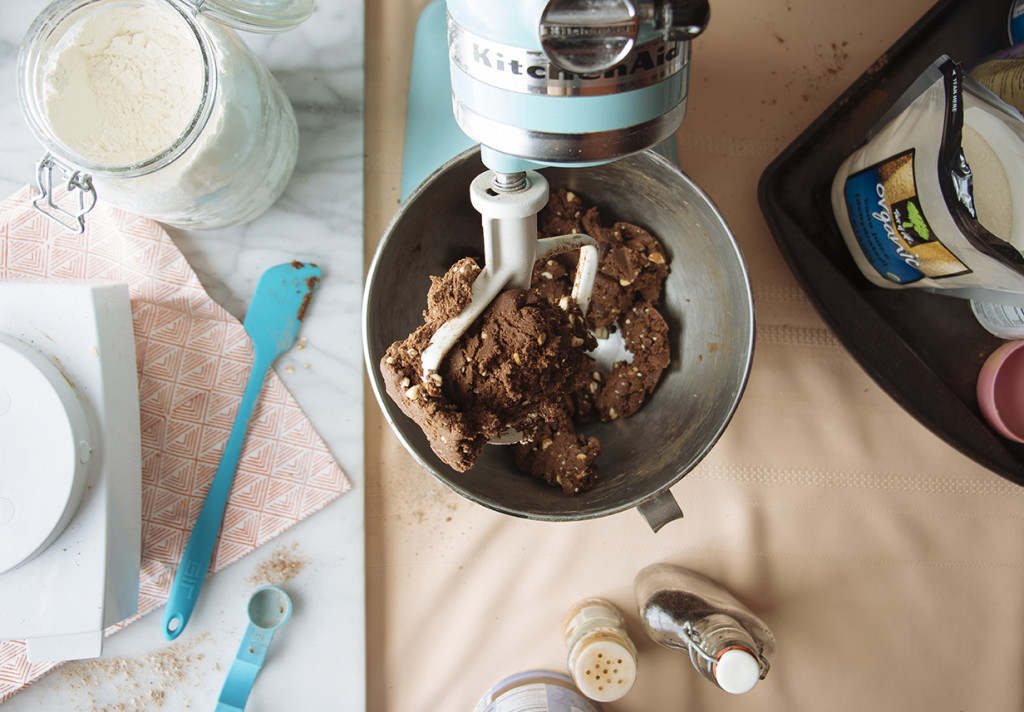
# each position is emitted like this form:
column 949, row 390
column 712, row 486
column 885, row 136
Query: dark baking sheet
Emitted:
column 924, row 349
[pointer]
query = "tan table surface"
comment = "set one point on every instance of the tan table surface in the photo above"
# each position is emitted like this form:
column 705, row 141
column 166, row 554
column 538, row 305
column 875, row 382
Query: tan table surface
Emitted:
column 889, row 566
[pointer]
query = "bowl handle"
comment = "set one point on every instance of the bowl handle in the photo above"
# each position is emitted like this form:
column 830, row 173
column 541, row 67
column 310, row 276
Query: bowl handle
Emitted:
column 660, row 509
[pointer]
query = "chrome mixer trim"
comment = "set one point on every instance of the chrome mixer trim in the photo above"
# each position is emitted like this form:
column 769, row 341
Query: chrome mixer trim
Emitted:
column 583, row 36
column 526, row 71
column 559, row 148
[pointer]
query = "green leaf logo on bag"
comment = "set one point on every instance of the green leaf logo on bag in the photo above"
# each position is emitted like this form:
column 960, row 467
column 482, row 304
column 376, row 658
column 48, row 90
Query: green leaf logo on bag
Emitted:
column 910, row 222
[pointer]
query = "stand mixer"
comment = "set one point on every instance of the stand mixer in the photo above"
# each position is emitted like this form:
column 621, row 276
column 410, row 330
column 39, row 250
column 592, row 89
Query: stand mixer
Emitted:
column 575, row 91
column 546, row 83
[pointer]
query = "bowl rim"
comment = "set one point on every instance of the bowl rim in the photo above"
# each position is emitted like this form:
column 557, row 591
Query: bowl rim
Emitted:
column 655, row 494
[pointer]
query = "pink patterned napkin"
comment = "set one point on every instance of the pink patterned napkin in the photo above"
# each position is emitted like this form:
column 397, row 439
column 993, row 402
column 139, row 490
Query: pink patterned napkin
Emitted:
column 193, row 360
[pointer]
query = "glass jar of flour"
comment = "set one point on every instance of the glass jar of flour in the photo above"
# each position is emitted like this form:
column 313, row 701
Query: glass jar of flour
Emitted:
column 159, row 108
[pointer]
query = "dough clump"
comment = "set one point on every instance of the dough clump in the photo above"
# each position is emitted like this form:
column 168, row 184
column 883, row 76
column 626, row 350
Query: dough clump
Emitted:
column 524, row 363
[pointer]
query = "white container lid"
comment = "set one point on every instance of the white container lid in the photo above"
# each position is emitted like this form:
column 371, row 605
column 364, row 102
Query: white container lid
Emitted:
column 44, row 439
column 737, row 671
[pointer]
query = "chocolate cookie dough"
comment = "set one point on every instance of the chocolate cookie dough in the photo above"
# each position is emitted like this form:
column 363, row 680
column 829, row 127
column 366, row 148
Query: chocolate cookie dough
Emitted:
column 627, row 291
column 510, row 370
column 633, row 264
column 523, row 365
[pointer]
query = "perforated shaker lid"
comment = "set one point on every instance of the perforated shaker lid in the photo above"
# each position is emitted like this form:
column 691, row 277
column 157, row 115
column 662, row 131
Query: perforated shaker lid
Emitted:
column 264, row 16
column 604, row 670
column 44, row 441
column 737, row 671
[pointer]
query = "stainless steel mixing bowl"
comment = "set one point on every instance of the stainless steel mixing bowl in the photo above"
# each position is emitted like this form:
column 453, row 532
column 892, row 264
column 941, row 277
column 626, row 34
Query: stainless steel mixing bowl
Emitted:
column 707, row 303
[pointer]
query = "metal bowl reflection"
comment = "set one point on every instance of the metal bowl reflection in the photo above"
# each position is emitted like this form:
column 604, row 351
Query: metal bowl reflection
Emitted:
column 707, row 302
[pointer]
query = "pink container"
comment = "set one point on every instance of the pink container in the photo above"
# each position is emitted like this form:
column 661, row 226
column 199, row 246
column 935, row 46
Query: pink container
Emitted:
column 1001, row 390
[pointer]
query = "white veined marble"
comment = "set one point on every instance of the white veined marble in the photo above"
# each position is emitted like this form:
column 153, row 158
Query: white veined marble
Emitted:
column 317, row 660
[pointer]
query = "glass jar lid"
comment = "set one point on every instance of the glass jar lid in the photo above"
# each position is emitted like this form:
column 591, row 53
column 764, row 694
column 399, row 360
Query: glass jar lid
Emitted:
column 257, row 15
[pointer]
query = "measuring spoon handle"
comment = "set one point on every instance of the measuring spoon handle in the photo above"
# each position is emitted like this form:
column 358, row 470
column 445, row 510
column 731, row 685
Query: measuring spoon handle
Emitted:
column 244, row 669
column 196, row 560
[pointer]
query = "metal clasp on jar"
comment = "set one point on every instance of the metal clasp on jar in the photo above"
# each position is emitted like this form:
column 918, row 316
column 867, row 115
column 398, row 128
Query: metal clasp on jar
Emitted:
column 79, row 186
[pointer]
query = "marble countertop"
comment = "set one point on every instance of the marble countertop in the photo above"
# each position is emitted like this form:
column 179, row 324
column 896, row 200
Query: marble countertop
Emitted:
column 320, row 654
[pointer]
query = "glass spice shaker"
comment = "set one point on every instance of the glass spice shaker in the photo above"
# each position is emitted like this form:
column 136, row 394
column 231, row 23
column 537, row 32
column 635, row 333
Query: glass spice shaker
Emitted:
column 602, row 660
column 159, row 108
column 684, row 610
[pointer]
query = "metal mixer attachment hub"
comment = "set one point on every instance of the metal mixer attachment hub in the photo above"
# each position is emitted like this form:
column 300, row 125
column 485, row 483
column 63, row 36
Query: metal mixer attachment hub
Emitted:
column 508, row 204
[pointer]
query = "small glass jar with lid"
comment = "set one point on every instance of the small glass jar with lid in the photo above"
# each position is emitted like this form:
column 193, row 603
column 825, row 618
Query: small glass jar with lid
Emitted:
column 601, row 659
column 159, row 108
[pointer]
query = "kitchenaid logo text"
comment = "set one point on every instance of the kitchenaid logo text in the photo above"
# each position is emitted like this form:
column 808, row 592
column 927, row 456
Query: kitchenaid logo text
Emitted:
column 640, row 61
column 531, row 72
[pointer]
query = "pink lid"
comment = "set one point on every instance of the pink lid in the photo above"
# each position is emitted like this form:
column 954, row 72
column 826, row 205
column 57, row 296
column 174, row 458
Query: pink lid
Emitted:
column 1001, row 390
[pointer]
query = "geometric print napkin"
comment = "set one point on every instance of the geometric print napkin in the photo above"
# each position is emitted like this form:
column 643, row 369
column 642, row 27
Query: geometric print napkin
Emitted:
column 193, row 360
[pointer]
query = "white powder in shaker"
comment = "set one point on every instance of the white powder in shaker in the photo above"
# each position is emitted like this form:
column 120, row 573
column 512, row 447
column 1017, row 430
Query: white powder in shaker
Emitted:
column 126, row 86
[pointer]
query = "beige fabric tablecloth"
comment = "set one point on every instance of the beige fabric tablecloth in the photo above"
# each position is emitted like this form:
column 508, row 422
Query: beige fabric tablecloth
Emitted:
column 889, row 566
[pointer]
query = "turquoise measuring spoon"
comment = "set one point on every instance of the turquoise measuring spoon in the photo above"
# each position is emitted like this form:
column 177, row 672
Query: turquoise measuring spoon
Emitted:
column 273, row 319
column 269, row 608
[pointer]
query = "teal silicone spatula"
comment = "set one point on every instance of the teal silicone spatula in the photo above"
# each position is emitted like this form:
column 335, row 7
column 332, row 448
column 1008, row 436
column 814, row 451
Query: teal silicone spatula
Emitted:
column 272, row 322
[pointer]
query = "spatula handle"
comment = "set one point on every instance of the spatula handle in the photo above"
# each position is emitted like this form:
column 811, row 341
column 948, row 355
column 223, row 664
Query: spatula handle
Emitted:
column 196, row 560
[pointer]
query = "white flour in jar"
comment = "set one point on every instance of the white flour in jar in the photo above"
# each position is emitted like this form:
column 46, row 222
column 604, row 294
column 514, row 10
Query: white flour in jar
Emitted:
column 126, row 86
column 184, row 122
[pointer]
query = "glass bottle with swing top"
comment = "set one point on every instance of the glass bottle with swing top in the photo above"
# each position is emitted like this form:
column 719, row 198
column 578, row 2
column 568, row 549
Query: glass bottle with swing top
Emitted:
column 684, row 610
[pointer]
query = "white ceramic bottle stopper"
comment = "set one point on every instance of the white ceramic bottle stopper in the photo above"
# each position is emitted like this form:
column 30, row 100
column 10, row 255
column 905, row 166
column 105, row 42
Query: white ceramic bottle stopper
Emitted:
column 602, row 660
column 737, row 670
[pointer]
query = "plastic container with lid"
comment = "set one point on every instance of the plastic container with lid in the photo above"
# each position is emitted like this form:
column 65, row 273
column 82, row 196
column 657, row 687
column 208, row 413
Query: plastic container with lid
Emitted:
column 1015, row 22
column 535, row 691
column 684, row 610
column 1003, row 320
column 159, row 108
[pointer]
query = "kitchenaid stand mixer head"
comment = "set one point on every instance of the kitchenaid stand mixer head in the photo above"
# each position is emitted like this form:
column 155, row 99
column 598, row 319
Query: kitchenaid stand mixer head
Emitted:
column 556, row 82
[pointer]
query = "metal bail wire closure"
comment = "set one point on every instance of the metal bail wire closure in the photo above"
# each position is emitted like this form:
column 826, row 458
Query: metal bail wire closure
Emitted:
column 78, row 185
column 696, row 646
column 697, row 652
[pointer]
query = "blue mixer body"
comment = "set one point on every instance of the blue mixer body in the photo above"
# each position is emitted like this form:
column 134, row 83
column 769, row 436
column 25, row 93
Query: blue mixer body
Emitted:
column 511, row 97
column 525, row 110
